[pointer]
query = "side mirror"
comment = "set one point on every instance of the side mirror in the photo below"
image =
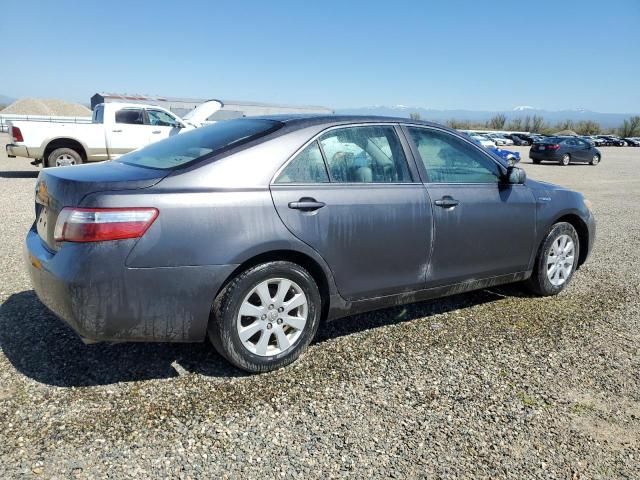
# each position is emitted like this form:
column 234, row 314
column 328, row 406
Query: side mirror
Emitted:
column 515, row 175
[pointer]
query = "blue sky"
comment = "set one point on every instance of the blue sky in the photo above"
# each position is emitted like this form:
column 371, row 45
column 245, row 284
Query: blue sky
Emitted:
column 490, row 55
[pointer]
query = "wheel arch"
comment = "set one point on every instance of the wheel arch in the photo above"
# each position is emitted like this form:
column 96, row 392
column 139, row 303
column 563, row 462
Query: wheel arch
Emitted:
column 315, row 269
column 583, row 233
column 64, row 143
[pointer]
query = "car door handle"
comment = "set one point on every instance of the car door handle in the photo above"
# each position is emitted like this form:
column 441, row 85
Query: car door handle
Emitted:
column 306, row 204
column 156, row 131
column 116, row 131
column 447, row 202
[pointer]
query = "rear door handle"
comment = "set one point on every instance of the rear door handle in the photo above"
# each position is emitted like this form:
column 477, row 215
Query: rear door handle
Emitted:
column 116, row 131
column 306, row 204
column 447, row 202
column 156, row 131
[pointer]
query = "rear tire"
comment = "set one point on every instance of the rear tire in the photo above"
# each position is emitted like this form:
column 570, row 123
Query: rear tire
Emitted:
column 556, row 261
column 273, row 334
column 536, row 161
column 595, row 160
column 63, row 157
column 565, row 160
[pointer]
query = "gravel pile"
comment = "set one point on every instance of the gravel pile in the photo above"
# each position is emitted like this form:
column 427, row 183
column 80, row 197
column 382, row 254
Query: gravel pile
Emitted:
column 491, row 384
column 50, row 107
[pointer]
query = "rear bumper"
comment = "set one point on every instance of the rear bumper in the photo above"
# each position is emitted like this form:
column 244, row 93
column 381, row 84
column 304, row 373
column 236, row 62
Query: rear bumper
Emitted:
column 14, row 150
column 89, row 287
column 548, row 156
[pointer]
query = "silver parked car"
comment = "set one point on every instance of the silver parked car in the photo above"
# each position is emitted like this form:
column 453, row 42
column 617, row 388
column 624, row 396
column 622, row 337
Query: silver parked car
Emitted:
column 254, row 231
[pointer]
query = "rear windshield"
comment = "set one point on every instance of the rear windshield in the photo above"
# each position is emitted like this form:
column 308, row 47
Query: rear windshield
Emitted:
column 186, row 147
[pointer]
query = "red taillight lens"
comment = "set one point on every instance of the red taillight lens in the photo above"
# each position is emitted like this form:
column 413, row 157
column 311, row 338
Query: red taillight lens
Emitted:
column 102, row 224
column 16, row 134
column 553, row 147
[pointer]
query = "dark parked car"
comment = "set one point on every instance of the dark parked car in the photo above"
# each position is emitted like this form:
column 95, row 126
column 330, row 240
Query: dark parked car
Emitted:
column 632, row 142
column 564, row 150
column 254, row 231
column 519, row 140
column 611, row 141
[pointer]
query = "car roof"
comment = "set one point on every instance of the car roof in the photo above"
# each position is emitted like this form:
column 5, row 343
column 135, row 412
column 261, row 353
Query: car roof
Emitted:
column 296, row 121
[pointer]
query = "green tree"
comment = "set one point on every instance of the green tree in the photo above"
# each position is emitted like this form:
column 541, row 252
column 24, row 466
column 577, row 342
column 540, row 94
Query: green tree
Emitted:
column 515, row 124
column 414, row 116
column 587, row 127
column 630, row 127
column 565, row 125
column 458, row 124
column 497, row 122
column 537, row 124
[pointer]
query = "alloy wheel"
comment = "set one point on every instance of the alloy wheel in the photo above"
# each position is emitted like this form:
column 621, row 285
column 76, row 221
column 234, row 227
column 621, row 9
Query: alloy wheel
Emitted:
column 65, row 160
column 272, row 317
column 560, row 260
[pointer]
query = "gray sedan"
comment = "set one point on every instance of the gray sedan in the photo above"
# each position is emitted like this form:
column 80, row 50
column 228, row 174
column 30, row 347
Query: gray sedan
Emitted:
column 254, row 231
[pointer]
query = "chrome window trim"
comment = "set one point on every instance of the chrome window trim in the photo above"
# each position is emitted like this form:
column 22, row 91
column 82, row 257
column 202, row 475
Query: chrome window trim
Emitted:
column 317, row 136
column 501, row 167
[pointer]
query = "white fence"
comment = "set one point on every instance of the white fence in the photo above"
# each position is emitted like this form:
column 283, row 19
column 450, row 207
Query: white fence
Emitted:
column 5, row 118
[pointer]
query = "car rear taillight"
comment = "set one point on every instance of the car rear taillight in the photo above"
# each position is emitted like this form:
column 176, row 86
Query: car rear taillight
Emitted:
column 553, row 147
column 16, row 134
column 102, row 224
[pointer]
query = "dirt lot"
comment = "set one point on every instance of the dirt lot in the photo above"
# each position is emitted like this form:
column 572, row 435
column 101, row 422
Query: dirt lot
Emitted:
column 489, row 384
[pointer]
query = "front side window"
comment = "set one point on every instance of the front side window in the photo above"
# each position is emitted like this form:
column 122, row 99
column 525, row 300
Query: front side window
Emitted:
column 131, row 116
column 370, row 154
column 307, row 167
column 448, row 159
column 161, row 119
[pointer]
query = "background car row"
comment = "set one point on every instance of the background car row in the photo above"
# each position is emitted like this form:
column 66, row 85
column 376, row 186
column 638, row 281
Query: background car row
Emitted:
column 521, row 139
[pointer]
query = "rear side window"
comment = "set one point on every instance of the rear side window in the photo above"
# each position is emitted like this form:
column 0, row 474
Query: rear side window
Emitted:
column 307, row 167
column 131, row 116
column 448, row 159
column 181, row 149
column 369, row 154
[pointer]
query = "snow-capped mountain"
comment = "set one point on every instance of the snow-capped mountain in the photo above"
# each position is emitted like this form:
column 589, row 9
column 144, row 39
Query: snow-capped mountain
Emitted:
column 605, row 120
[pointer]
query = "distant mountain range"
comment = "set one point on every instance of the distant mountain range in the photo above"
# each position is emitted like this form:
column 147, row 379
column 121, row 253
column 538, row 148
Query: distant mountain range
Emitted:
column 606, row 120
column 4, row 100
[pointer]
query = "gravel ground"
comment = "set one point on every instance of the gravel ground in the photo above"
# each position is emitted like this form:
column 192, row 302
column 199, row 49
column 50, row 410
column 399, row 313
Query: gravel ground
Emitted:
column 491, row 384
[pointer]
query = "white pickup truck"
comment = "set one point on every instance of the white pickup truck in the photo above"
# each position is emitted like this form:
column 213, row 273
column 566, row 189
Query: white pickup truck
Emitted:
column 115, row 129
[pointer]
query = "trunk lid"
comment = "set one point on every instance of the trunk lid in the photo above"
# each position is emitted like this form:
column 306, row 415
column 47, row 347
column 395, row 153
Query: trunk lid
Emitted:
column 61, row 187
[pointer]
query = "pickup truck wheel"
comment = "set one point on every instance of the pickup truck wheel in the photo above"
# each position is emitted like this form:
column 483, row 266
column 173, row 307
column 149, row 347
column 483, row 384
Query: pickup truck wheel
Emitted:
column 63, row 157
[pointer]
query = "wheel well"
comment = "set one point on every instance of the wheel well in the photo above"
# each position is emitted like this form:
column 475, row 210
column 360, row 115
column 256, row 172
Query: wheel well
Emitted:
column 65, row 143
column 583, row 234
column 305, row 261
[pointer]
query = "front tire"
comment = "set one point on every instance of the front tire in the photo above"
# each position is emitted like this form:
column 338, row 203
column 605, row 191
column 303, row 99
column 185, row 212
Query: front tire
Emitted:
column 595, row 160
column 565, row 160
column 266, row 317
column 63, row 157
column 556, row 261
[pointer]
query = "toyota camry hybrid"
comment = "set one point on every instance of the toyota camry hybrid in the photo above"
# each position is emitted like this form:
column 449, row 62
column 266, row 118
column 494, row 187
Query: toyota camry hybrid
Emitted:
column 254, row 231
